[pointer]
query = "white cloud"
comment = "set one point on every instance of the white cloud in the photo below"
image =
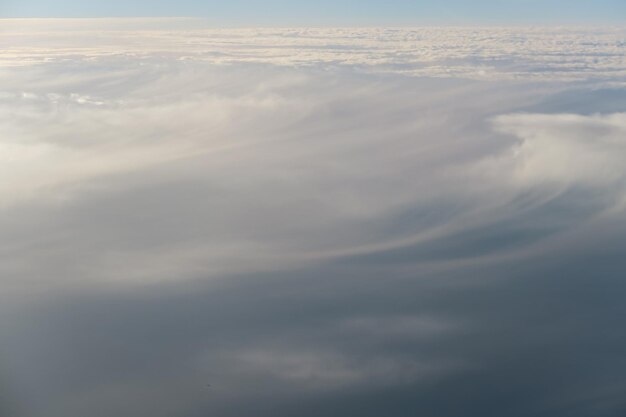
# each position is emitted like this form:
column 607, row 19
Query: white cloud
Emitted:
column 567, row 148
column 480, row 53
column 148, row 168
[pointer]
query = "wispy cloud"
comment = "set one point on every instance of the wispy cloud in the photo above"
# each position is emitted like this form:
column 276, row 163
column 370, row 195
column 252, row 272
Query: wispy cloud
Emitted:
column 312, row 221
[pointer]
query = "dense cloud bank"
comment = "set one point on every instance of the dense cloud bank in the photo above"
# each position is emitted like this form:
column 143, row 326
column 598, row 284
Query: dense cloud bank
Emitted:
column 537, row 53
column 311, row 237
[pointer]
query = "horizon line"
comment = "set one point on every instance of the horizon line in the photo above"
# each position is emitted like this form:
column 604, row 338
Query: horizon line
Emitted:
column 459, row 24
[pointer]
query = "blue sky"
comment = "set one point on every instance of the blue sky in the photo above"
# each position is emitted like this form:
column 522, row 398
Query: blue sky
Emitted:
column 329, row 12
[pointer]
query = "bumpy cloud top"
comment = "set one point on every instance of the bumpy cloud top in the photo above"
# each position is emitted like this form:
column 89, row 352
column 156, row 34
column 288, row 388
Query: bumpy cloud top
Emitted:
column 473, row 52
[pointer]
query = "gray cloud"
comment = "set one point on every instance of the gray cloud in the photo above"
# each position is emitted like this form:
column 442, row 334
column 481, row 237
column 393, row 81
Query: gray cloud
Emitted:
column 310, row 238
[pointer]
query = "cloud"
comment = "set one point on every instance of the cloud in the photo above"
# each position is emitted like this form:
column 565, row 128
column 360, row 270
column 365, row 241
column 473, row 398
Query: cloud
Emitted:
column 528, row 53
column 568, row 148
column 287, row 216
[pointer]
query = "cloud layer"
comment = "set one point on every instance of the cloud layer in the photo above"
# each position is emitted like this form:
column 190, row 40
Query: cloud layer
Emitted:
column 561, row 54
column 290, row 218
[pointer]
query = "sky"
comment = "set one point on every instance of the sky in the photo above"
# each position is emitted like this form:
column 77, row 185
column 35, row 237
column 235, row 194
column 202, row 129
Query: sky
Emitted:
column 340, row 12
column 311, row 222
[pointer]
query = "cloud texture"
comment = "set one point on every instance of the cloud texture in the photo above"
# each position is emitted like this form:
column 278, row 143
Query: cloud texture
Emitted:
column 314, row 222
